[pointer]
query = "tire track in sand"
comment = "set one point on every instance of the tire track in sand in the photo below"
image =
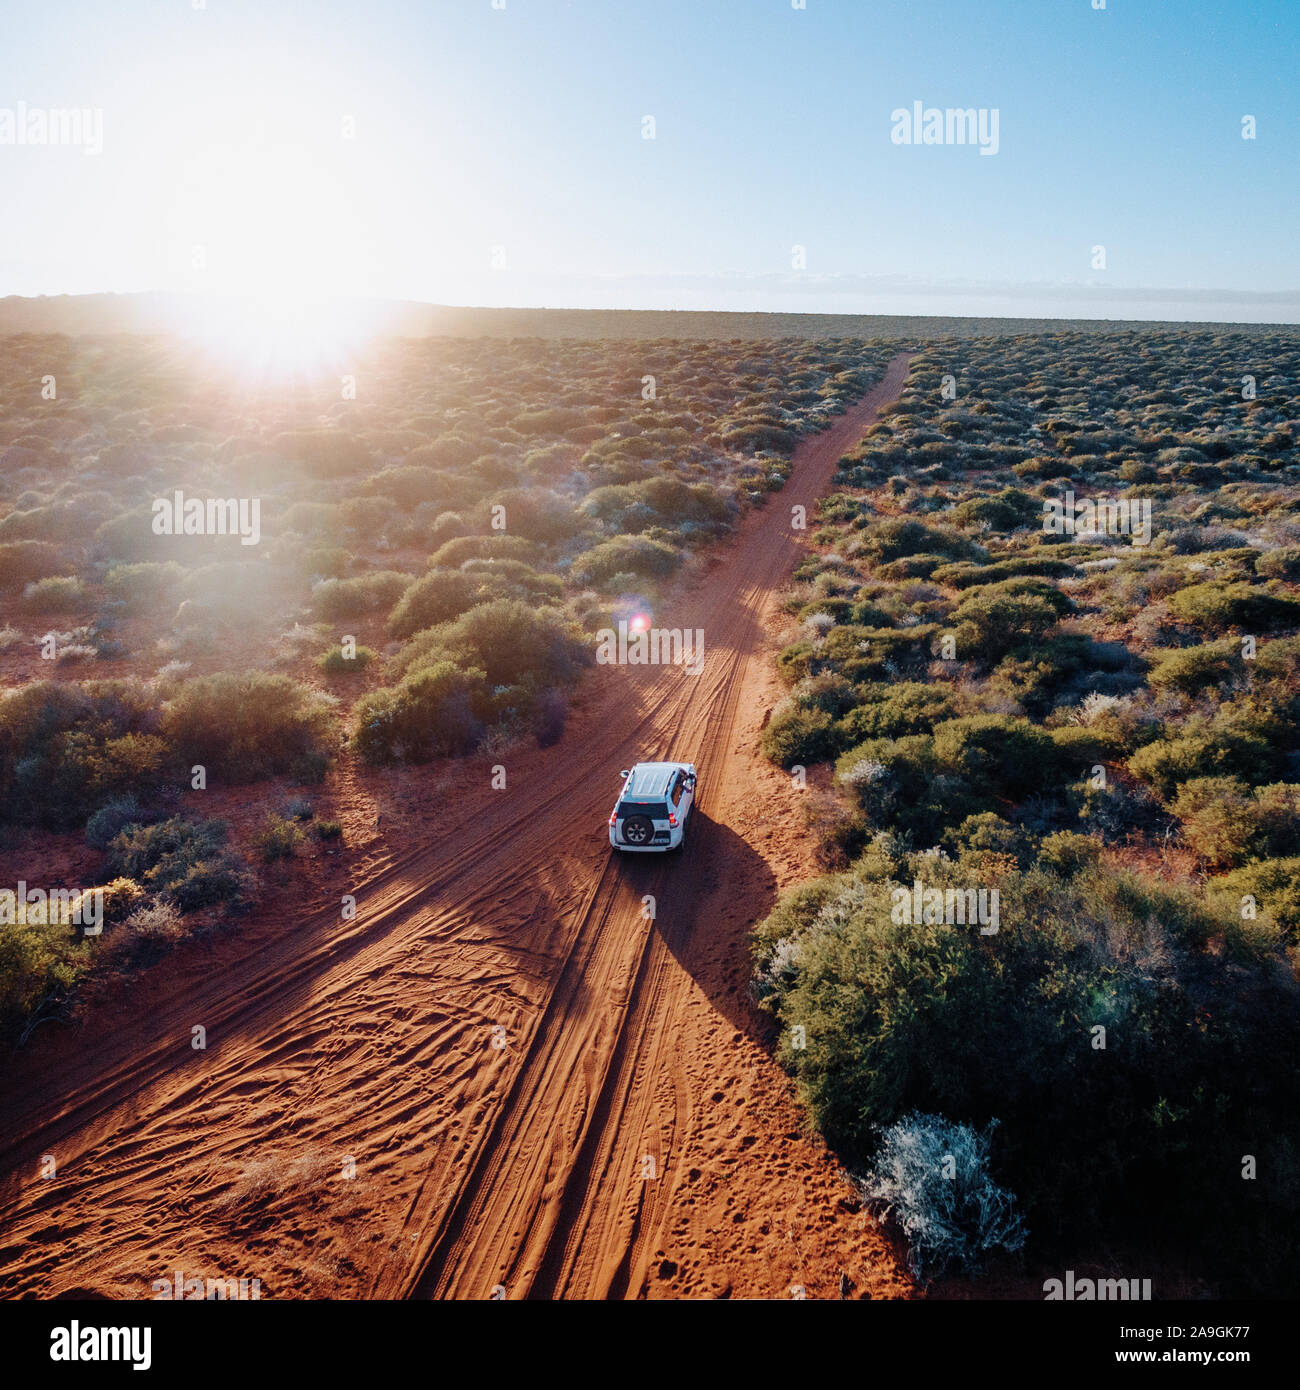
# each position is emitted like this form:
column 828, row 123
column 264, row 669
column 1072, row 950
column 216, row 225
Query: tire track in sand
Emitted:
column 557, row 1204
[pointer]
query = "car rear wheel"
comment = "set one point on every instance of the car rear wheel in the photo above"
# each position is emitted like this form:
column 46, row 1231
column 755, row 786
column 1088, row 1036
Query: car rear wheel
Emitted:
column 638, row 830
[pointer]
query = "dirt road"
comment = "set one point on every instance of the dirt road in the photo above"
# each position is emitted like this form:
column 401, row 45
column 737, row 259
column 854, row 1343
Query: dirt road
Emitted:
column 525, row 1068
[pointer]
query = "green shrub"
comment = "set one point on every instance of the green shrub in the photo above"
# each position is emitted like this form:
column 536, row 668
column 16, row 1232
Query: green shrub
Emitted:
column 228, row 590
column 145, row 586
column 1282, row 563
column 120, row 898
column 451, row 451
column 511, row 642
column 892, row 711
column 23, row 562
column 277, row 838
column 537, row 514
column 659, row 501
column 448, row 526
column 552, row 420
column 864, row 613
column 1215, row 607
column 895, row 785
column 1190, row 670
column 997, row 754
column 333, row 599
column 759, row 436
column 323, row 453
column 993, row 621
column 336, row 662
column 46, row 523
column 1065, row 852
column 1226, row 822
column 1200, row 751
column 837, row 608
column 369, row 518
column 887, row 1011
column 1021, row 586
column 1083, row 747
column 184, row 861
column 828, row 692
column 318, row 521
column 865, row 653
column 462, row 548
column 910, row 567
column 1027, row 566
column 1009, row 510
column 798, row 736
column 795, row 661
column 440, row 596
column 795, row 912
column 243, row 727
column 1033, row 674
column 68, row 748
column 106, row 823
column 39, row 966
column 317, row 562
column 1279, row 661
column 130, row 536
column 625, row 555
column 896, row 539
column 64, row 594
column 408, row 486
column 987, row 834
column 435, row 711
column 1043, row 466
column 1275, row 886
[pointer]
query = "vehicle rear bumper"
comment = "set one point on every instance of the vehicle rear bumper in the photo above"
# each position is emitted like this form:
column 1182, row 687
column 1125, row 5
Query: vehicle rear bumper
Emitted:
column 674, row 839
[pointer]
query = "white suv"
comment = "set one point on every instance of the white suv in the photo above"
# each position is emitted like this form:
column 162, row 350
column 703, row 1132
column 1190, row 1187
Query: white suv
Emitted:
column 651, row 810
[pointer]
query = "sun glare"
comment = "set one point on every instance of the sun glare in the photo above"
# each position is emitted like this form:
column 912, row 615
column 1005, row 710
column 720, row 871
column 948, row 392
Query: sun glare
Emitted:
column 270, row 234
column 272, row 337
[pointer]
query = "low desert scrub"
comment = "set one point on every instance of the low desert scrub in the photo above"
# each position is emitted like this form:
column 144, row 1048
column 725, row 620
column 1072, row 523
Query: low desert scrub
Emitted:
column 277, row 838
column 186, row 862
column 244, row 727
column 67, row 748
column 24, row 562
column 510, row 641
column 346, row 661
column 436, row 710
column 144, row 587
column 638, row 555
column 333, row 599
column 1106, row 732
column 931, row 1178
column 63, row 594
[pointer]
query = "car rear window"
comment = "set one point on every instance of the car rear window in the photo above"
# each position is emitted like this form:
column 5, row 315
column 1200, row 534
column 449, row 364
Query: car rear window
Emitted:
column 656, row 810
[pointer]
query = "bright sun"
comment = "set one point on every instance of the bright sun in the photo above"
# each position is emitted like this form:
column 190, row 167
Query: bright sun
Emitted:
column 271, row 337
column 278, row 257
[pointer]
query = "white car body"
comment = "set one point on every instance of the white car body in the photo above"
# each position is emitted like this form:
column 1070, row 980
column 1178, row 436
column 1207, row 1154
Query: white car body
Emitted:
column 653, row 807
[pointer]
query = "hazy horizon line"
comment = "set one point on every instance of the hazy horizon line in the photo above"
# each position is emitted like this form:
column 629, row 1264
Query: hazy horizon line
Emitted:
column 1000, row 301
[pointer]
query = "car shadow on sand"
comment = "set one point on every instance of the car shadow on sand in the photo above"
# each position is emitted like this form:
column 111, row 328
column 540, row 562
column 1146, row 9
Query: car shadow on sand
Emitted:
column 707, row 896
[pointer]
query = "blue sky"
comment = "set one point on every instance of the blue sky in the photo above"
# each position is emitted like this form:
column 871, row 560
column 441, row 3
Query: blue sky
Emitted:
column 224, row 164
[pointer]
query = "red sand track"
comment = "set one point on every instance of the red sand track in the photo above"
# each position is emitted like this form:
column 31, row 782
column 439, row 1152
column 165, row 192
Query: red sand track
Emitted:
column 631, row 1138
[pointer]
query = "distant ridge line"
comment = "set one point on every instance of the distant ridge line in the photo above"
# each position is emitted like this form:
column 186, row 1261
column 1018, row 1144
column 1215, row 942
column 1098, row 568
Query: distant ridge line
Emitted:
column 151, row 313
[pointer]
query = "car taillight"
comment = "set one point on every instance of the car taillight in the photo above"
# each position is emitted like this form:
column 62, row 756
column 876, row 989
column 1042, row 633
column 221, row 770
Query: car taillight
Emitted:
column 672, row 819
column 613, row 816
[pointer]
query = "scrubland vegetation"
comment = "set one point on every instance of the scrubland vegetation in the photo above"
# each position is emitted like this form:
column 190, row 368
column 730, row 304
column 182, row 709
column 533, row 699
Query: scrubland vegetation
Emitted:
column 1107, row 733
column 431, row 561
